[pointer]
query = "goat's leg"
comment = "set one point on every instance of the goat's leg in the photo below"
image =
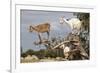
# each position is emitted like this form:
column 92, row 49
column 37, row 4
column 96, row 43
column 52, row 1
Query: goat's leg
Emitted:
column 39, row 38
column 48, row 34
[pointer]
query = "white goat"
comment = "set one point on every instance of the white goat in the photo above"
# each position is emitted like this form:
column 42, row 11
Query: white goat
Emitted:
column 73, row 23
column 66, row 49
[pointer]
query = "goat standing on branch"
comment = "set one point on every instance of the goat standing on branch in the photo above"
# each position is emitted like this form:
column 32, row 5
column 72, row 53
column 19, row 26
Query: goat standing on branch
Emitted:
column 73, row 23
column 41, row 28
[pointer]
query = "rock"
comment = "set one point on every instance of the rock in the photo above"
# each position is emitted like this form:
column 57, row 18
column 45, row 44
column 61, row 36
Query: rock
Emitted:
column 35, row 57
column 49, row 58
column 58, row 58
column 29, row 57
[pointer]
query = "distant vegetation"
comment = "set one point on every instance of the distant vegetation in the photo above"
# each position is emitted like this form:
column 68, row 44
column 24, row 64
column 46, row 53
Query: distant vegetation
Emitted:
column 43, row 53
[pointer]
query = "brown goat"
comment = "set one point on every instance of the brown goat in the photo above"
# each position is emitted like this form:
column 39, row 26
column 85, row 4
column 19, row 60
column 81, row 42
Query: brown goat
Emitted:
column 41, row 28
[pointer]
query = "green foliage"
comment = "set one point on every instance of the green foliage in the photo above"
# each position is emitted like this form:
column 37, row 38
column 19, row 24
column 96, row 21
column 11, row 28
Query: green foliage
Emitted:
column 23, row 55
column 30, row 52
column 84, row 34
column 43, row 53
column 85, row 17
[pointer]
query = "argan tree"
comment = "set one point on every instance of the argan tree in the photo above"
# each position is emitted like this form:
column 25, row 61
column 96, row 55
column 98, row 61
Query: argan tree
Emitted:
column 85, row 29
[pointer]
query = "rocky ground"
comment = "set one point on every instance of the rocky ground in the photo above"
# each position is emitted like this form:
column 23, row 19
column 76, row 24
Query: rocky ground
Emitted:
column 43, row 60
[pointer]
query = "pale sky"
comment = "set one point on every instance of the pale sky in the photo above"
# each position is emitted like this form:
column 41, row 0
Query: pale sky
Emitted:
column 31, row 17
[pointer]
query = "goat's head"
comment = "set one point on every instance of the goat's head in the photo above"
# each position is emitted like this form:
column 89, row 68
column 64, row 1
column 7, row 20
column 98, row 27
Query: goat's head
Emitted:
column 30, row 28
column 61, row 19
